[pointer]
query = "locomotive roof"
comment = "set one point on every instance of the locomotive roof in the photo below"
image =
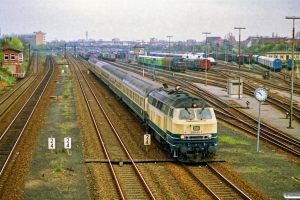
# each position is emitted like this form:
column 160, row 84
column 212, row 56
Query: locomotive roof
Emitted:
column 177, row 99
column 141, row 85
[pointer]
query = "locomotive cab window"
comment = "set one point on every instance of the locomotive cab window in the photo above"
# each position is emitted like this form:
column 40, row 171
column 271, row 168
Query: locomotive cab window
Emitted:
column 154, row 102
column 150, row 99
column 187, row 114
column 203, row 114
column 171, row 112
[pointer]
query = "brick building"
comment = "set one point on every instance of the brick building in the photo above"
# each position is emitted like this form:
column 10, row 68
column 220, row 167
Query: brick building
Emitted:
column 13, row 60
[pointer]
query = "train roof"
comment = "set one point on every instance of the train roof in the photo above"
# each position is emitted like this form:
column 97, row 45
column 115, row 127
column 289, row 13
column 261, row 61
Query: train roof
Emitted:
column 93, row 60
column 141, row 85
column 210, row 59
column 177, row 99
column 115, row 71
column 152, row 57
column 198, row 59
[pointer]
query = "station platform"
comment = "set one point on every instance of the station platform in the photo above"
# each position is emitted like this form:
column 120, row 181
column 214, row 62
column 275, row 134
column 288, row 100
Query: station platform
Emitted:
column 268, row 113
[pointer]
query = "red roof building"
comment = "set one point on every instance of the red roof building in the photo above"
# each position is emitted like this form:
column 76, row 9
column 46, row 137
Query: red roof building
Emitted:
column 215, row 40
column 13, row 60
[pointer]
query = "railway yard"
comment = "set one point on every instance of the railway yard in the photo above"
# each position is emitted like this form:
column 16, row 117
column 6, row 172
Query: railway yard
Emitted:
column 108, row 158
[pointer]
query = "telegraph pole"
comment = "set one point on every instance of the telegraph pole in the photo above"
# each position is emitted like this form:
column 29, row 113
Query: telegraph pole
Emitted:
column 292, row 81
column 206, row 56
column 239, row 60
column 65, row 51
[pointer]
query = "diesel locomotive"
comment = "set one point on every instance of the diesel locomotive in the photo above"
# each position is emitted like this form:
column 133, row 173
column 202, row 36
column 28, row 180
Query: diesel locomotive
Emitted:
column 185, row 125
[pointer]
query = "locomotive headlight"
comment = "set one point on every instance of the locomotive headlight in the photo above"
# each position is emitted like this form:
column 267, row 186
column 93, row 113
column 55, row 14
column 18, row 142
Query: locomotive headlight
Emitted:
column 183, row 137
column 209, row 136
column 194, row 105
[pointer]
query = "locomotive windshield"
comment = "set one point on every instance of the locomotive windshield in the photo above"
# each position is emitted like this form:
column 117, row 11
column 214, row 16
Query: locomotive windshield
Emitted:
column 190, row 114
column 187, row 114
column 203, row 114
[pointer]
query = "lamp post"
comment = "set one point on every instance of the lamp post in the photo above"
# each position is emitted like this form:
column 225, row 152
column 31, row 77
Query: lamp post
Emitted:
column 206, row 56
column 239, row 60
column 292, row 81
column 169, row 52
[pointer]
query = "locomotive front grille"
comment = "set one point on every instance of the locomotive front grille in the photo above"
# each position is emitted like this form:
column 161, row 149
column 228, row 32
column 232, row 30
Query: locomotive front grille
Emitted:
column 196, row 137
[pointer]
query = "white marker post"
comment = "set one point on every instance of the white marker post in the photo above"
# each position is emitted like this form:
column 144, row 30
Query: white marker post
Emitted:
column 51, row 143
column 67, row 143
column 147, row 141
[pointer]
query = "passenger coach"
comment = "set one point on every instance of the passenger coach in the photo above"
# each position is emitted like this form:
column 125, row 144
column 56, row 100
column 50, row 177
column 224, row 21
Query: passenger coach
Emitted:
column 185, row 125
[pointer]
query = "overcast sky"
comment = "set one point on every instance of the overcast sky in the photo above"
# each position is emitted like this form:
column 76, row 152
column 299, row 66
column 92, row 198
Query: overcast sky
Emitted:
column 144, row 19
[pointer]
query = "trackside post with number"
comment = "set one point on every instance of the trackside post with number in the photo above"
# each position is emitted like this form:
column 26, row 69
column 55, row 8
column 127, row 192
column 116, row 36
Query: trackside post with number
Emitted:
column 51, row 143
column 67, row 143
column 147, row 141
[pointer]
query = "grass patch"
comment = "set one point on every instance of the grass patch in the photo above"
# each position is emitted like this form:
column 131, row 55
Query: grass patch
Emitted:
column 241, row 151
column 64, row 151
column 64, row 130
column 255, row 169
column 11, row 80
column 66, row 112
column 231, row 140
column 58, row 169
column 66, row 95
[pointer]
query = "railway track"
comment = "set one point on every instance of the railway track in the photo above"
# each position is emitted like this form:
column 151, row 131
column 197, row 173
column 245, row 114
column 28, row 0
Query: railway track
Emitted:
column 215, row 183
column 245, row 122
column 128, row 179
column 12, row 134
column 221, row 188
column 283, row 84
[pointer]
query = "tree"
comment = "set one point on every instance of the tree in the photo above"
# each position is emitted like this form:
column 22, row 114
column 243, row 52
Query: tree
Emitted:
column 10, row 42
column 280, row 46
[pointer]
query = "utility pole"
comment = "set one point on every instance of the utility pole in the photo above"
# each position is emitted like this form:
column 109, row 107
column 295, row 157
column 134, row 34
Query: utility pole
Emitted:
column 29, row 55
column 206, row 56
column 239, row 60
column 292, row 81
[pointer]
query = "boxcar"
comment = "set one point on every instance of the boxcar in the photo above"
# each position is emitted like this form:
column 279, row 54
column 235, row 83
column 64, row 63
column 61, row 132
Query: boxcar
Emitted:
column 198, row 64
